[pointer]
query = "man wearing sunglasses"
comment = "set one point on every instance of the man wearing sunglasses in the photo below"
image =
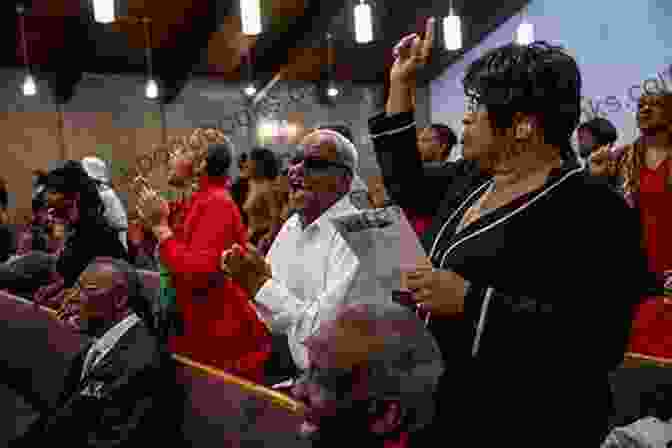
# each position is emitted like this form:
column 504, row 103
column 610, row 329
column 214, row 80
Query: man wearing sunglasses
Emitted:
column 359, row 193
column 310, row 268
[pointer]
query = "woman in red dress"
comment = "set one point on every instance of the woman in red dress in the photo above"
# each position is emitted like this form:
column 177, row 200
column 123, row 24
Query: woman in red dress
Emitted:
column 646, row 171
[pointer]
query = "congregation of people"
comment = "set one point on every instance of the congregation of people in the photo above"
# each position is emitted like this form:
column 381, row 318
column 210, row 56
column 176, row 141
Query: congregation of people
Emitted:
column 546, row 263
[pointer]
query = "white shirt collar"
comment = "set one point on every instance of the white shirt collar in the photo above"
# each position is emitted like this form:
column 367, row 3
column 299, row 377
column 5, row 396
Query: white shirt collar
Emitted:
column 340, row 207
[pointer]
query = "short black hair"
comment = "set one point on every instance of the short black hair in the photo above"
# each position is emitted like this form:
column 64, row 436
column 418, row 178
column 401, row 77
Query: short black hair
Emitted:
column 267, row 165
column 71, row 178
column 342, row 129
column 446, row 136
column 603, row 131
column 218, row 160
column 538, row 79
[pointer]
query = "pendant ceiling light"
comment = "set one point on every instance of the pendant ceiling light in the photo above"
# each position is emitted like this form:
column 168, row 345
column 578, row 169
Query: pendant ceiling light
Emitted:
column 103, row 11
column 525, row 32
column 250, row 16
column 332, row 90
column 363, row 23
column 29, row 86
column 152, row 87
column 452, row 30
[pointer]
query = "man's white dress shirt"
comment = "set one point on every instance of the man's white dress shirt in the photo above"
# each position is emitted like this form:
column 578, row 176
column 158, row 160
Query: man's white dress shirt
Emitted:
column 313, row 270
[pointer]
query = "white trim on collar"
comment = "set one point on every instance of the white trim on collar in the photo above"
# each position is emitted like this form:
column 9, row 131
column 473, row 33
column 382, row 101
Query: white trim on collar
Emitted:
column 501, row 220
column 340, row 207
column 393, row 131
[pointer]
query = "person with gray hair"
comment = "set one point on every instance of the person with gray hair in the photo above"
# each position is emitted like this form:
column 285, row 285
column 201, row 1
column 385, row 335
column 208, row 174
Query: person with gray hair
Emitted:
column 310, row 267
column 115, row 212
column 359, row 191
column 373, row 369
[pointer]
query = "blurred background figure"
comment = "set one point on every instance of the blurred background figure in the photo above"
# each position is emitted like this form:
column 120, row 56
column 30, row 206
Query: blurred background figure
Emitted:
column 261, row 206
column 240, row 187
column 75, row 199
column 7, row 238
column 594, row 134
column 115, row 212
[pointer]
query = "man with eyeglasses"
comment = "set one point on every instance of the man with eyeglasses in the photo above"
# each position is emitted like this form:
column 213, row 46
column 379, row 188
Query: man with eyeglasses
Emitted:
column 309, row 268
column 122, row 389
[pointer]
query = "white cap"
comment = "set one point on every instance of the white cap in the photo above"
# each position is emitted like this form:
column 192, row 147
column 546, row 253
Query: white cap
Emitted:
column 96, row 169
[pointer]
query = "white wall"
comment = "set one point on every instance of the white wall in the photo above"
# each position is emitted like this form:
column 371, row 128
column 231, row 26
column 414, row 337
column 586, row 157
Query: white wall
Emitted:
column 619, row 47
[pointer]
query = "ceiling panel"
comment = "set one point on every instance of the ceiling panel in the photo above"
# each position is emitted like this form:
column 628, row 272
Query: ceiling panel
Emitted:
column 185, row 39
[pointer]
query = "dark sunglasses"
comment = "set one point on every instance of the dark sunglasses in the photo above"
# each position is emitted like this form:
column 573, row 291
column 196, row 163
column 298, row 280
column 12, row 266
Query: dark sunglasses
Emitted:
column 314, row 165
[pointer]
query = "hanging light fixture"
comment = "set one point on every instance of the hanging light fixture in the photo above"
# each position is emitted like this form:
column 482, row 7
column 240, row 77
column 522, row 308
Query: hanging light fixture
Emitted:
column 525, row 32
column 332, row 91
column 452, row 30
column 29, row 86
column 363, row 23
column 103, row 11
column 250, row 90
column 152, row 87
column 250, row 16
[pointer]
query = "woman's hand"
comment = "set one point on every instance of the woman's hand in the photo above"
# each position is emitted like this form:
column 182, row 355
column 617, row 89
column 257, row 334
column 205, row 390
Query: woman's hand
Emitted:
column 246, row 267
column 152, row 208
column 411, row 54
column 437, row 291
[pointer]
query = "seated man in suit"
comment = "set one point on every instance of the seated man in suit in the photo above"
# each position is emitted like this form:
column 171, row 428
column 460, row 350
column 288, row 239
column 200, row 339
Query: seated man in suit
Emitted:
column 121, row 390
column 373, row 372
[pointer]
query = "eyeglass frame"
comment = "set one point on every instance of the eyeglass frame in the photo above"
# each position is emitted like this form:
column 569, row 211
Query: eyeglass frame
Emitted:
column 299, row 157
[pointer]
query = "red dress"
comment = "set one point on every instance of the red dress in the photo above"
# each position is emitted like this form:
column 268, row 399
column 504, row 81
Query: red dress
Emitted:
column 652, row 328
column 221, row 328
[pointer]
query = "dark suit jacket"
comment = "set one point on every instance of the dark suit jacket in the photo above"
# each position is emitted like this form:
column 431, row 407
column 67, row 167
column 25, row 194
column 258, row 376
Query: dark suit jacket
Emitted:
column 7, row 242
column 131, row 397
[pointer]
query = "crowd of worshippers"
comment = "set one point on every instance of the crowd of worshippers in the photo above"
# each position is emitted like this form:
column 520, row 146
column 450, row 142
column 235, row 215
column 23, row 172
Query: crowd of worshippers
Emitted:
column 540, row 261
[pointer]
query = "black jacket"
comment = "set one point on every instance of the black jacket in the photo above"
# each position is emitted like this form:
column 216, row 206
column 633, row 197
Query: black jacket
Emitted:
column 549, row 309
column 7, row 242
column 138, row 400
column 404, row 174
column 88, row 241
